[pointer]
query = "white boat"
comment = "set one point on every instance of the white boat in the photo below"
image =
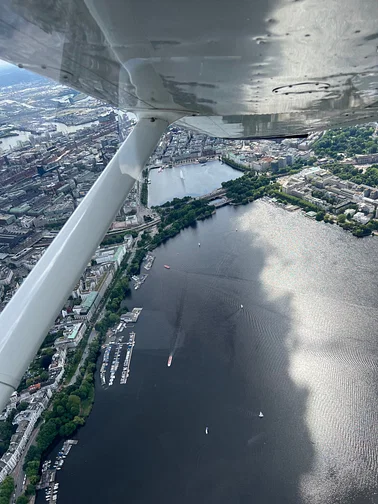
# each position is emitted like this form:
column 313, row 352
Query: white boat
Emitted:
column 199, row 244
column 261, row 414
column 207, row 430
column 241, row 306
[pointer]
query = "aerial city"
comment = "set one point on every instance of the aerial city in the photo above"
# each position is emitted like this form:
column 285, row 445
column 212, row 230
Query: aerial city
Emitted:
column 220, row 343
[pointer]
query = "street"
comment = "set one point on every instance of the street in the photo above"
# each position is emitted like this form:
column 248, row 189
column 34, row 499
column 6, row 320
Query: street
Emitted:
column 83, row 357
column 18, row 473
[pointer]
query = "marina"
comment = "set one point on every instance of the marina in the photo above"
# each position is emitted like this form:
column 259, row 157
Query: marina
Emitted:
column 126, row 365
column 116, row 342
column 139, row 280
column 149, row 260
column 131, row 317
column 104, row 365
column 49, row 474
column 115, row 363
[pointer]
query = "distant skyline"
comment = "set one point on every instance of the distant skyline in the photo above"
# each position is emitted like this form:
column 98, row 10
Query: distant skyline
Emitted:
column 11, row 74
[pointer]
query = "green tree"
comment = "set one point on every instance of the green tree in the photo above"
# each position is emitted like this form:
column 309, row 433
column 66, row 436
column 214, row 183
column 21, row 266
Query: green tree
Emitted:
column 22, row 406
column 113, row 318
column 6, row 432
column 30, row 490
column 22, row 500
column 6, row 490
column 34, row 454
column 67, row 429
column 44, row 376
column 349, row 141
column 78, row 420
column 32, row 468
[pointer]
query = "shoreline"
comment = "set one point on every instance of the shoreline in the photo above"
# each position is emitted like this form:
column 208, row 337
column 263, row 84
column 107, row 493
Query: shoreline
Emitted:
column 188, row 162
column 96, row 346
column 139, row 366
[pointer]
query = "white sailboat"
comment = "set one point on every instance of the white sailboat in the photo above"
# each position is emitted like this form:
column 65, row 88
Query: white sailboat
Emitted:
column 261, row 414
column 207, row 430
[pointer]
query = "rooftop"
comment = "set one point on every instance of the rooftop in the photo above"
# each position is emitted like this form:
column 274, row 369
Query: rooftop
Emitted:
column 75, row 329
column 89, row 300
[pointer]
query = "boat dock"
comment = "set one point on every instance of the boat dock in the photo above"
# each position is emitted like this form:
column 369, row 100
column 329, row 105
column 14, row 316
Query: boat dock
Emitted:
column 104, row 365
column 149, row 260
column 49, row 473
column 131, row 317
column 116, row 360
column 118, row 343
column 139, row 280
column 115, row 363
column 126, row 365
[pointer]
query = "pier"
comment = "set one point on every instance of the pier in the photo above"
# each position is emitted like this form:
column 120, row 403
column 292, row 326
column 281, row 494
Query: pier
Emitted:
column 126, row 365
column 116, row 359
column 49, row 474
column 139, row 280
column 149, row 260
column 118, row 343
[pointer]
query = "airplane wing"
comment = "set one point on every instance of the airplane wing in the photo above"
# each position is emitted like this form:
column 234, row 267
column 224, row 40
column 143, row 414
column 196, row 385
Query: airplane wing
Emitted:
column 252, row 69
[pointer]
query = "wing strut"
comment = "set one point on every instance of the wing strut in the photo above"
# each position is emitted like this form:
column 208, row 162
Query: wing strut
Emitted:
column 31, row 312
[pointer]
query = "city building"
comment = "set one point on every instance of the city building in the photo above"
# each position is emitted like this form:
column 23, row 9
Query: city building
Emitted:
column 110, row 255
column 6, row 275
column 89, row 304
column 71, row 336
column 6, row 219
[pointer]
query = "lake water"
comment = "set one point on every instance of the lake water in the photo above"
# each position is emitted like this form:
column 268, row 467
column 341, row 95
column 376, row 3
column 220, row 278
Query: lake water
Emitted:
column 188, row 180
column 11, row 142
column 303, row 350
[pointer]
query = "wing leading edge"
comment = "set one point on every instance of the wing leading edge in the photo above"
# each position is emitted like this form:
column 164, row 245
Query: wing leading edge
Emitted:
column 245, row 69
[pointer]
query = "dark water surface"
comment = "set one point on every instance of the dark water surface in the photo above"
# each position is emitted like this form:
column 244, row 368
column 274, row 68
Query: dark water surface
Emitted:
column 303, row 350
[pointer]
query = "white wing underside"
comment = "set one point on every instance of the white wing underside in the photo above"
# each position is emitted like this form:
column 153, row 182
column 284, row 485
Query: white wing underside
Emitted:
column 260, row 68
